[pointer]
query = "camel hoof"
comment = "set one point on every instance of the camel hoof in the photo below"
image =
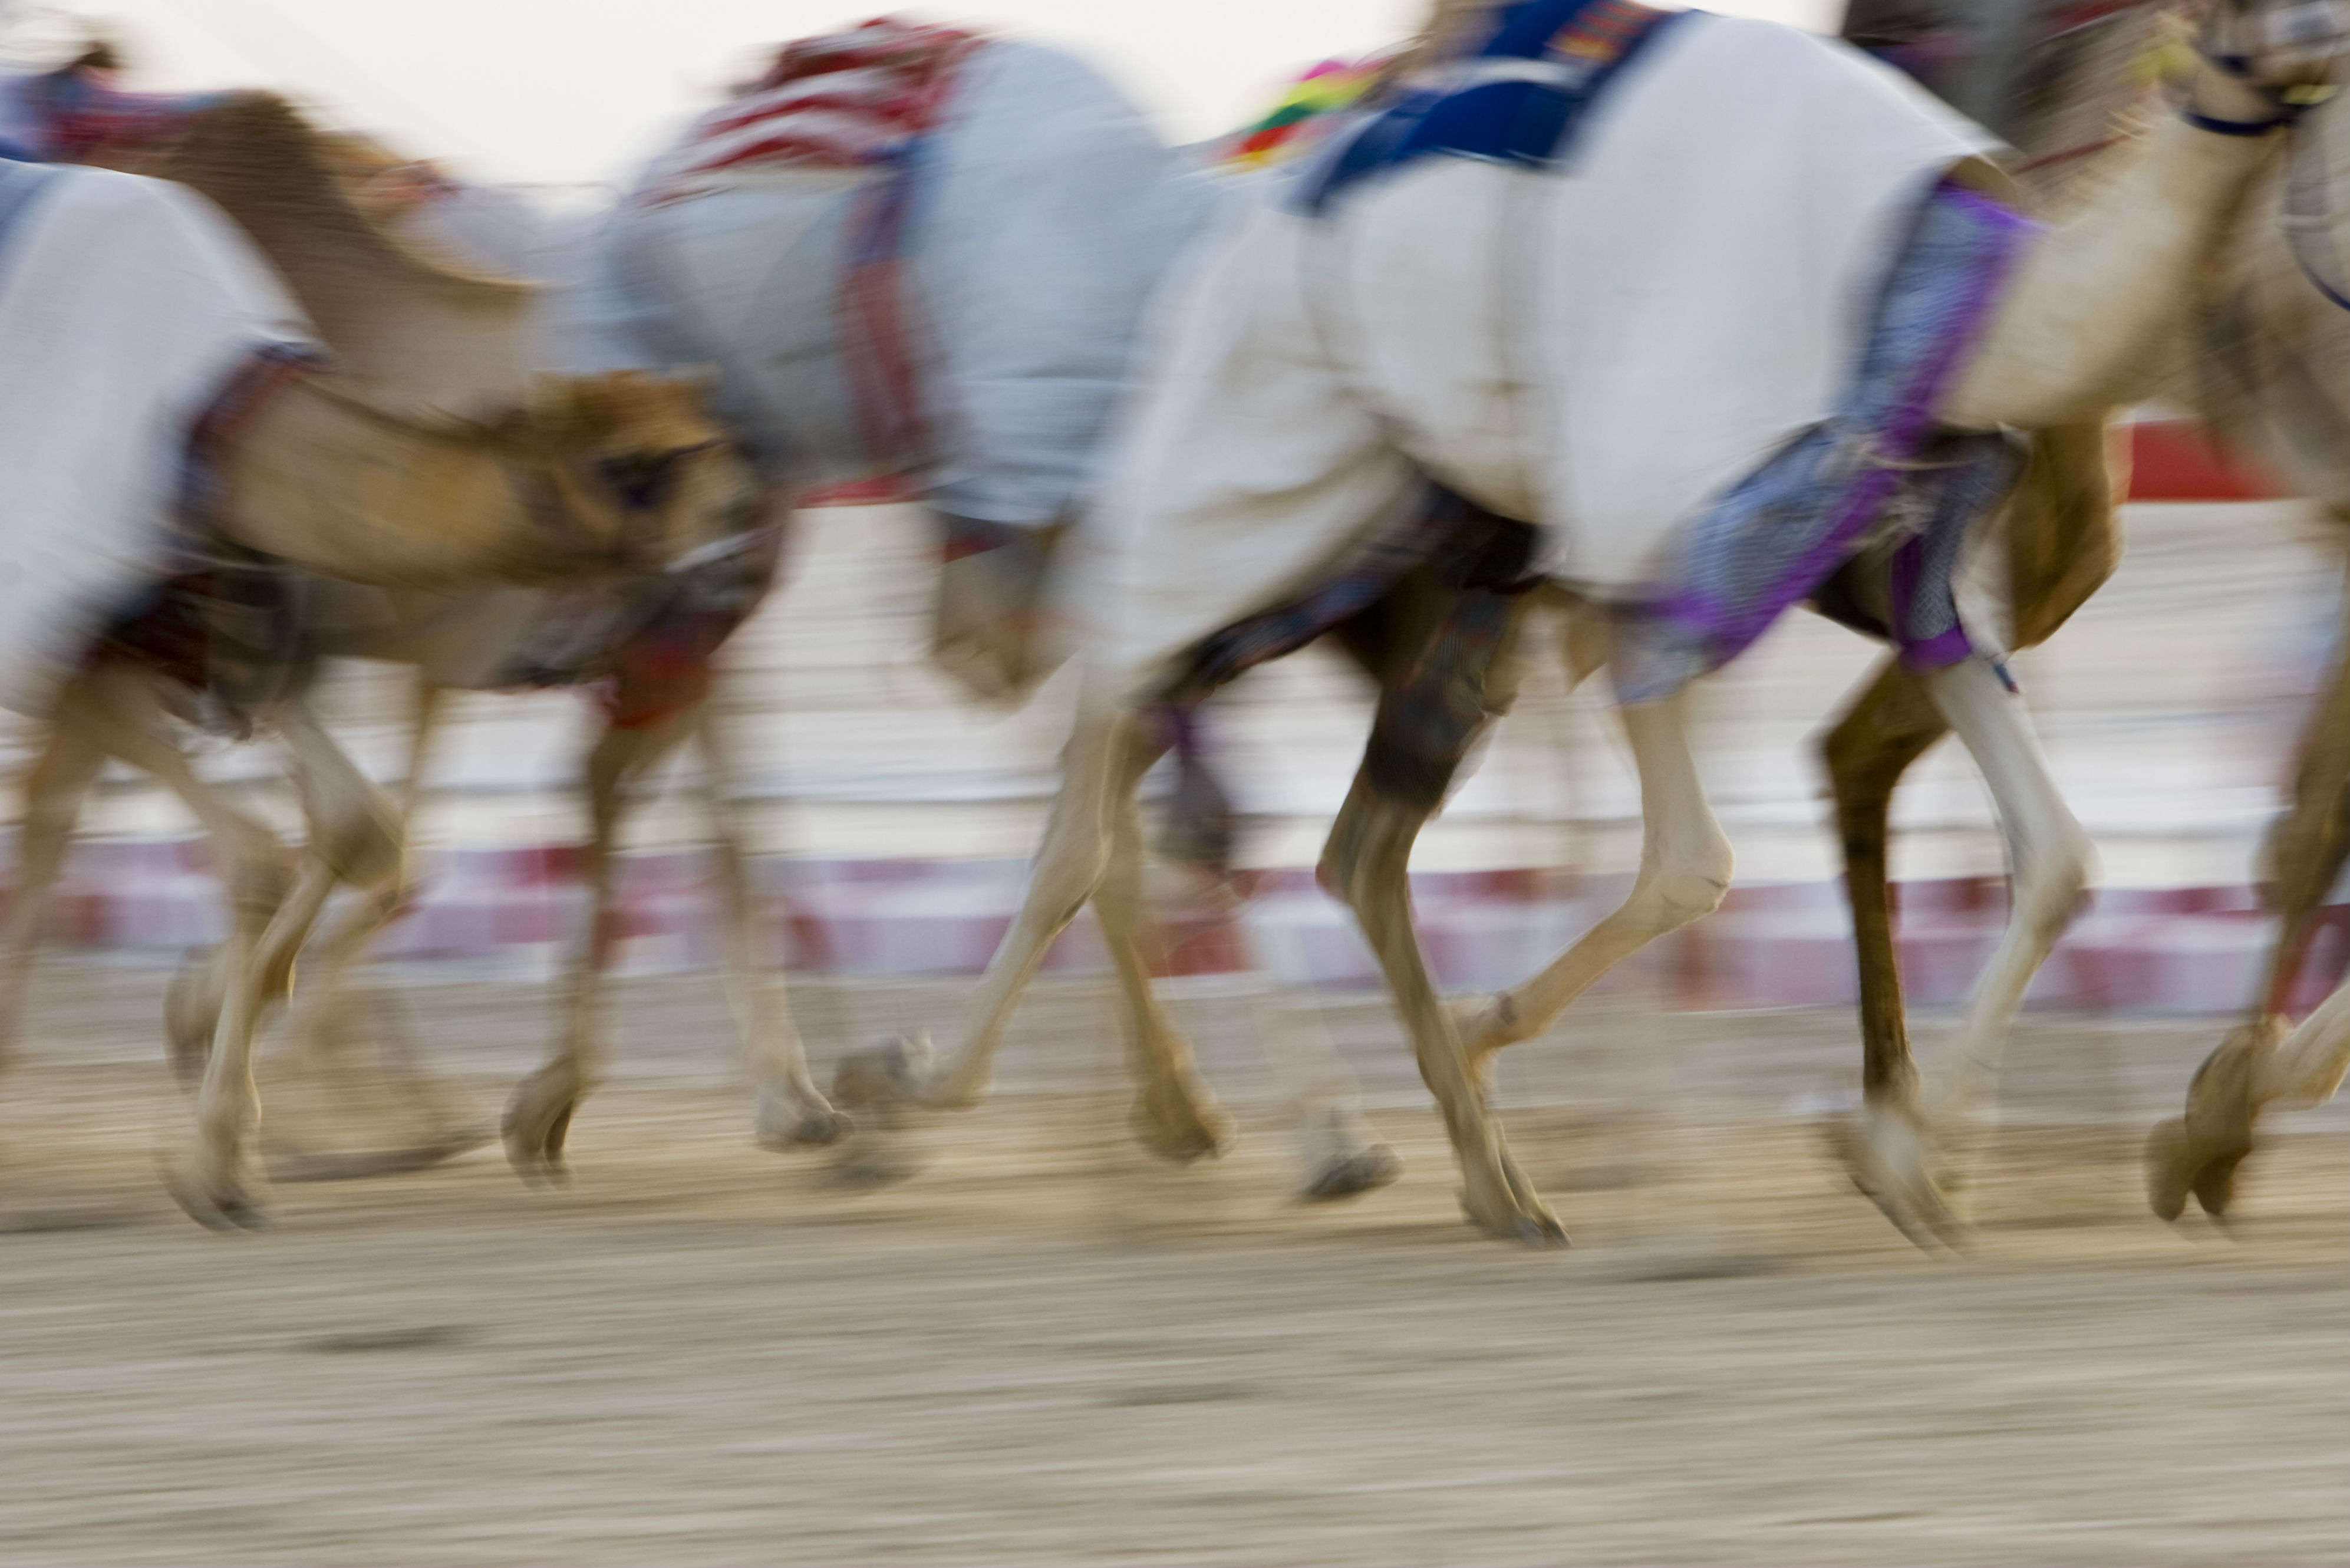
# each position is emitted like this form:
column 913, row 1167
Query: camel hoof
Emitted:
column 220, row 1203
column 2197, row 1155
column 536, row 1122
column 1540, row 1232
column 811, row 1129
column 1533, row 1226
column 369, row 1164
column 885, row 1075
column 2179, row 1165
column 2215, row 1185
column 864, row 1165
column 1890, row 1155
column 783, row 1121
column 2170, row 1173
column 1178, row 1123
column 1351, row 1175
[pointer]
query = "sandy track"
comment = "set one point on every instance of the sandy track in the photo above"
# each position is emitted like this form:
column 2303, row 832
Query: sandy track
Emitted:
column 1047, row 1350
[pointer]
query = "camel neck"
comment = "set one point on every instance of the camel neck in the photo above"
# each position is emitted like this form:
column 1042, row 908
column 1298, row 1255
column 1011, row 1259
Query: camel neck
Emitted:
column 322, row 479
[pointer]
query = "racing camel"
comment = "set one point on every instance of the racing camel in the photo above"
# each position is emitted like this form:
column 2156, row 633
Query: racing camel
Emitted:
column 1341, row 342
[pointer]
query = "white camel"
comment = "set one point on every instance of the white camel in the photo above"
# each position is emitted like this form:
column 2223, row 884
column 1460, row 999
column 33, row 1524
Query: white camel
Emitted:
column 1313, row 361
column 352, row 475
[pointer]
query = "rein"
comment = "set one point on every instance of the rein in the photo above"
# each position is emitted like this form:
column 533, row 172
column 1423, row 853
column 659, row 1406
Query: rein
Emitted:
column 2309, row 226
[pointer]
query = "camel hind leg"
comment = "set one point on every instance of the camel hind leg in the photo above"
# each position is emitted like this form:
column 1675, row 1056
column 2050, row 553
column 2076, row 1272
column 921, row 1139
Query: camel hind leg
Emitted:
column 118, row 708
column 354, row 838
column 1406, row 769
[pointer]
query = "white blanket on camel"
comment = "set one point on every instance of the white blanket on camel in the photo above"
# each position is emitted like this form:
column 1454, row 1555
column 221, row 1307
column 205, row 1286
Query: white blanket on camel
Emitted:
column 124, row 303
column 1599, row 349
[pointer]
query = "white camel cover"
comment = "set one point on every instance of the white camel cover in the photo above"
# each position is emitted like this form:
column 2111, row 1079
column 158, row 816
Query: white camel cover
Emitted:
column 1600, row 348
column 124, row 303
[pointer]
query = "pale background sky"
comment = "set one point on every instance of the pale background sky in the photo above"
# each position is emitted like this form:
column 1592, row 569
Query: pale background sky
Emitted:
column 569, row 90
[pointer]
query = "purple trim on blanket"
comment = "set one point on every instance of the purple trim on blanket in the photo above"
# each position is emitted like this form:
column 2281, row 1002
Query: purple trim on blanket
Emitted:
column 1937, row 652
column 1876, row 483
column 1942, row 650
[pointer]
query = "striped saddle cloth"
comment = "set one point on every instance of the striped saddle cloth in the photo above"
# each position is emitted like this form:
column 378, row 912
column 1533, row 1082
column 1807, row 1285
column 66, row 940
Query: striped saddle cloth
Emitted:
column 841, row 100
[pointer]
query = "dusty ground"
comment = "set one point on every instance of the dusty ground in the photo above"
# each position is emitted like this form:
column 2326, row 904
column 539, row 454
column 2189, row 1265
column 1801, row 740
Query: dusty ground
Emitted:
column 1048, row 1350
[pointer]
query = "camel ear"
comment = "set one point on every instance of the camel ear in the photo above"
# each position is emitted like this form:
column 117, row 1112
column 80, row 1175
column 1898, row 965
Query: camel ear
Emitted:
column 579, row 407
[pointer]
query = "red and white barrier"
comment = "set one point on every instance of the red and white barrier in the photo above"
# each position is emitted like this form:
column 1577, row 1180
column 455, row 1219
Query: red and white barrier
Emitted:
column 2170, row 951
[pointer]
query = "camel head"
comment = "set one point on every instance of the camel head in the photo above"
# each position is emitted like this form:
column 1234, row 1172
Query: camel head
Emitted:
column 91, row 120
column 650, row 477
column 2283, row 45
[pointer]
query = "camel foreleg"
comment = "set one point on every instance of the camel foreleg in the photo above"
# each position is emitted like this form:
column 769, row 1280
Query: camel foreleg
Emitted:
column 333, row 993
column 2049, row 864
column 348, row 942
column 1888, row 727
column 1102, row 766
column 53, row 788
column 790, row 1111
column 2265, row 1059
column 539, row 1114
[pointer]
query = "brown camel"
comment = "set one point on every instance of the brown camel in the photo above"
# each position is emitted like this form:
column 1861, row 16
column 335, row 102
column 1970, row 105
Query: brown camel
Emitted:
column 354, row 474
column 2259, row 351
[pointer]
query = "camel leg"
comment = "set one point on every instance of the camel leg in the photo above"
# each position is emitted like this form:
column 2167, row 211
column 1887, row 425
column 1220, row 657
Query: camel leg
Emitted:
column 1887, row 728
column 1366, row 864
column 539, row 1114
column 2197, row 1153
column 333, row 994
column 2306, row 1070
column 117, row 707
column 349, row 940
column 54, row 789
column 1108, row 753
column 1684, row 871
column 1176, row 1117
column 1685, row 867
column 2049, row 864
column 790, row 1112
column 354, row 837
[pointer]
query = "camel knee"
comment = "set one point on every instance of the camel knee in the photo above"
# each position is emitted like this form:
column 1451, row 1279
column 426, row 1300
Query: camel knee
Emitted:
column 1358, row 859
column 1688, row 884
column 363, row 844
column 2049, row 883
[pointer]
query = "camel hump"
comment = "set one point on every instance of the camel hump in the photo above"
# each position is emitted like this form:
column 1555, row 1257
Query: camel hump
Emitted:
column 256, row 156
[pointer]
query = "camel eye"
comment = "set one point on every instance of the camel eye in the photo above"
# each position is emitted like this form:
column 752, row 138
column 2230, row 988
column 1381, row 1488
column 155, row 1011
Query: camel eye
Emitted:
column 643, row 480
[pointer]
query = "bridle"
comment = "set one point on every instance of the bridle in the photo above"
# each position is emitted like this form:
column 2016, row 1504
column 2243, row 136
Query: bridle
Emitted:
column 566, row 496
column 2311, row 227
